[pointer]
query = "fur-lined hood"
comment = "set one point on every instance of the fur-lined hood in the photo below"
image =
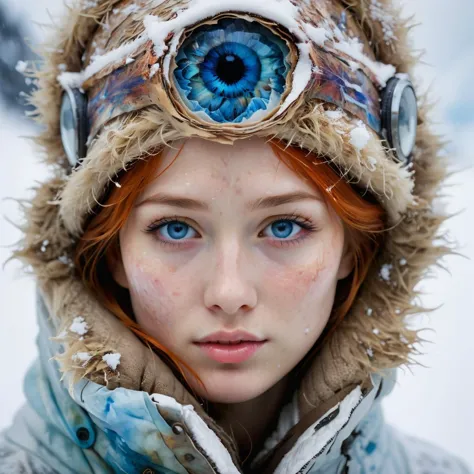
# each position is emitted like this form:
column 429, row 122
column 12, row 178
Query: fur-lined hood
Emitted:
column 372, row 337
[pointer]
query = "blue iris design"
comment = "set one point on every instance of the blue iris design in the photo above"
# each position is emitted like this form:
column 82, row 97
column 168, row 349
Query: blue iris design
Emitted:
column 228, row 71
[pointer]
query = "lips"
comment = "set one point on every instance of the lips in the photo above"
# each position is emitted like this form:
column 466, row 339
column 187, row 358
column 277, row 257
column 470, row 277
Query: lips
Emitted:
column 230, row 347
column 230, row 353
column 234, row 337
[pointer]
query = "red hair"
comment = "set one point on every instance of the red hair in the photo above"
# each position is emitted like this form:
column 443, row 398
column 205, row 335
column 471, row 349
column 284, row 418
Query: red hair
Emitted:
column 362, row 216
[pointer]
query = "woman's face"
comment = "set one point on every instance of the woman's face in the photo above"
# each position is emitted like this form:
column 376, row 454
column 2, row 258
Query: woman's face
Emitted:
column 238, row 260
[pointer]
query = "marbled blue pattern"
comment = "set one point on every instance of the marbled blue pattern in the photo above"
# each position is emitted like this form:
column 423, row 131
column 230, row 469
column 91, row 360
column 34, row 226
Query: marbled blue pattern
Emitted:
column 230, row 70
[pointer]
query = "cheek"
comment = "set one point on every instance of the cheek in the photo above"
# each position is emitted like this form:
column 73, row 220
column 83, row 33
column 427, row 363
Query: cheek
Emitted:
column 311, row 285
column 151, row 300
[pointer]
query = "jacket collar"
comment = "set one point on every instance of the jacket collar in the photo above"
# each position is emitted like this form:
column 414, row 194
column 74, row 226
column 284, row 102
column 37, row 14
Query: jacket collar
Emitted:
column 182, row 437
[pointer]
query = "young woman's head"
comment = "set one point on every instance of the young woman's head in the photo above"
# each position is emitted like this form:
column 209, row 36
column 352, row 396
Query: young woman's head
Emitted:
column 252, row 237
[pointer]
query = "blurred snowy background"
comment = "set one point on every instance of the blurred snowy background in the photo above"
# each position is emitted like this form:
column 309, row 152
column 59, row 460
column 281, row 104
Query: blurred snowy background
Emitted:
column 435, row 402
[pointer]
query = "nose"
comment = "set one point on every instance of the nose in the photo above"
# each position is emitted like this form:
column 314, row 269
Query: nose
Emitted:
column 231, row 288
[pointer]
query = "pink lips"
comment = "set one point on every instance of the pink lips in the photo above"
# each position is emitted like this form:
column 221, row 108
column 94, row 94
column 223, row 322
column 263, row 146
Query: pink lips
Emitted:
column 230, row 347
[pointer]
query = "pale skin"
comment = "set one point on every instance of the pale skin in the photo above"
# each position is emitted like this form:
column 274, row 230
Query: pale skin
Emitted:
column 234, row 268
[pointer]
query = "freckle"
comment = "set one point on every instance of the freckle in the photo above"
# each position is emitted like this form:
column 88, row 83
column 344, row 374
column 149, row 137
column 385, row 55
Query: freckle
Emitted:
column 238, row 191
column 224, row 162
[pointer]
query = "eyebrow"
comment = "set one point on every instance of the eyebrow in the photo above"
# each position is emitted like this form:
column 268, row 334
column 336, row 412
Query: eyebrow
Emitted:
column 261, row 203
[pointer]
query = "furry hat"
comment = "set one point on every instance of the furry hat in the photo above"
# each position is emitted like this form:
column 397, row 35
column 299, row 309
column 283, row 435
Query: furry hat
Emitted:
column 374, row 335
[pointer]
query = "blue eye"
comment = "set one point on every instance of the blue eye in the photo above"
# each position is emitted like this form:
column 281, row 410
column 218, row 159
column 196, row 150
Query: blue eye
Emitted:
column 228, row 71
column 284, row 228
column 176, row 229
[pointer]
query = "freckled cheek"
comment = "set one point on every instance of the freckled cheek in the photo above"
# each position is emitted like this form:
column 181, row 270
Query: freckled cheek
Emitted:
column 152, row 302
column 294, row 282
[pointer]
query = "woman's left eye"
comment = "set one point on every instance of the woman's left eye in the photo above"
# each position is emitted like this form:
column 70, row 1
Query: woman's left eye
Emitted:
column 282, row 229
column 228, row 71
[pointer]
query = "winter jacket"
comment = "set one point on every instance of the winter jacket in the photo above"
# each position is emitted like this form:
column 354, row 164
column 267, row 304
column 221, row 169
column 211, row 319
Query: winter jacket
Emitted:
column 84, row 415
column 94, row 430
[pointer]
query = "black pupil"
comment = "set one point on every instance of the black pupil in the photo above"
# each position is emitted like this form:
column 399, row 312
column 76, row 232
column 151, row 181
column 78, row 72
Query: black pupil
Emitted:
column 230, row 69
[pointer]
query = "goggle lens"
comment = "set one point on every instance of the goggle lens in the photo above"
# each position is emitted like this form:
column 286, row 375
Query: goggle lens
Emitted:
column 407, row 121
column 68, row 126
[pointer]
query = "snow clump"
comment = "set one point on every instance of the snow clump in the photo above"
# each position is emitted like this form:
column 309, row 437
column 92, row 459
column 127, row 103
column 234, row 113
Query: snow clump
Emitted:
column 79, row 326
column 360, row 136
column 317, row 35
column 21, row 66
column 154, row 69
column 385, row 271
column 112, row 360
column 372, row 163
column 83, row 357
column 334, row 114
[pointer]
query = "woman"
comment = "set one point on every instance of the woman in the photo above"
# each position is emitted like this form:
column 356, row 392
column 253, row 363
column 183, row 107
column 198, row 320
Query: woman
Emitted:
column 239, row 212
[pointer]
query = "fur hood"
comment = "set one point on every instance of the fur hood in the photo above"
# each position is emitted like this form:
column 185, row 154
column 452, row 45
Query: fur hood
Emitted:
column 373, row 336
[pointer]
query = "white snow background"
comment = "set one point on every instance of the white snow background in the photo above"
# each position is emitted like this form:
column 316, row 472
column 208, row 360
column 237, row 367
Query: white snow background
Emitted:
column 435, row 402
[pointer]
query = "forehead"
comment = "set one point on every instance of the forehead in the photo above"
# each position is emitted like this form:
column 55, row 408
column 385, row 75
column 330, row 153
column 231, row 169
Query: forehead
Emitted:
column 205, row 165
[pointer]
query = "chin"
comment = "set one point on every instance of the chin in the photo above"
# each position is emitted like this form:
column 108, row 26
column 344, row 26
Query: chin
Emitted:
column 233, row 387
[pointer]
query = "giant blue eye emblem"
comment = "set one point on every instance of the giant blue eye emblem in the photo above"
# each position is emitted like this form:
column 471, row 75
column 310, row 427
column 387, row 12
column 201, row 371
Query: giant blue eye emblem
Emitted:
column 228, row 71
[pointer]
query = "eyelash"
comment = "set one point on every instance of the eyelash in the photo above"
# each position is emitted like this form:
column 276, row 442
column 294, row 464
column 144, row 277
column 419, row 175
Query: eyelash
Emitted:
column 302, row 221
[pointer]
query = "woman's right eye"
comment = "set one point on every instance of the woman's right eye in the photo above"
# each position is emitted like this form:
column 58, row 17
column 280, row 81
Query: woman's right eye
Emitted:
column 170, row 231
column 176, row 230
